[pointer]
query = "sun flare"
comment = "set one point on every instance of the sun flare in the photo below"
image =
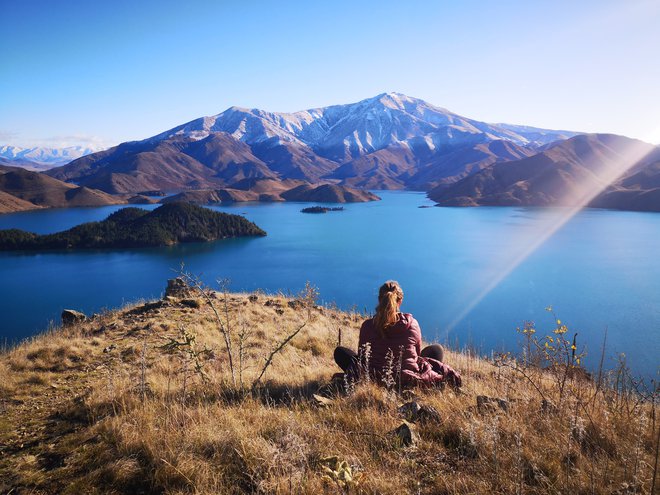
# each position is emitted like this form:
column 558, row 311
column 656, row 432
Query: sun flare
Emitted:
column 606, row 172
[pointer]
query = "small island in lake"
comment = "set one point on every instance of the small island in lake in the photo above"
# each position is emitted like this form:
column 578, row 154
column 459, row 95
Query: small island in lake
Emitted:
column 321, row 209
column 134, row 227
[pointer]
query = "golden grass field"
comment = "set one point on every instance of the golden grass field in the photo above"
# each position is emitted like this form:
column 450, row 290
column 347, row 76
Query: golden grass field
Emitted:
column 123, row 403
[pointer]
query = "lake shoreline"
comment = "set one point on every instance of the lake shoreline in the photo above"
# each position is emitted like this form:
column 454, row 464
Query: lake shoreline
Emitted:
column 598, row 270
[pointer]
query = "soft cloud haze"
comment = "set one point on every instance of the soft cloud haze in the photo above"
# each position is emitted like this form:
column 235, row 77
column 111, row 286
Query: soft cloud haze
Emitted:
column 93, row 142
column 109, row 72
column 8, row 136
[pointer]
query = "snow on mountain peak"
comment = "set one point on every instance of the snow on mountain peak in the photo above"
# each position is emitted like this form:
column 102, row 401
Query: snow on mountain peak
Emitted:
column 387, row 119
column 396, row 100
column 45, row 155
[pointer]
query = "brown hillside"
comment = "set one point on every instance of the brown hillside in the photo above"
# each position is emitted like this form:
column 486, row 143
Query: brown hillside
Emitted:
column 268, row 190
column 10, row 203
column 212, row 196
column 46, row 191
column 329, row 193
column 268, row 186
column 562, row 175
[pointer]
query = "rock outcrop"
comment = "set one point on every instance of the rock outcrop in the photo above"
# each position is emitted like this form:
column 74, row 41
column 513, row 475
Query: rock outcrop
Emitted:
column 71, row 317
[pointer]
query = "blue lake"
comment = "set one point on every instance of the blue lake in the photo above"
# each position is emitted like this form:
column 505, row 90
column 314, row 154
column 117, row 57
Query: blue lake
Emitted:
column 470, row 275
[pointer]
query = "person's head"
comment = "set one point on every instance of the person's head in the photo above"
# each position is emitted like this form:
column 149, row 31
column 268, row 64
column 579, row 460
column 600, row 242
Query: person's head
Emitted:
column 390, row 297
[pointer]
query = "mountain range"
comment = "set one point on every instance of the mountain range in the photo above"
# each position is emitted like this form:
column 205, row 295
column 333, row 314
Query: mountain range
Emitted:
column 390, row 141
column 39, row 158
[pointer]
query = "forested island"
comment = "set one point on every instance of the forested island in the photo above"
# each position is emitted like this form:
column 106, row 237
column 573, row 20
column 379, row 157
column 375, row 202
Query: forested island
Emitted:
column 321, row 209
column 134, row 227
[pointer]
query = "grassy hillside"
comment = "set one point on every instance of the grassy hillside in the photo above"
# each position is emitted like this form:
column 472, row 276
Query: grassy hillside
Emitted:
column 142, row 400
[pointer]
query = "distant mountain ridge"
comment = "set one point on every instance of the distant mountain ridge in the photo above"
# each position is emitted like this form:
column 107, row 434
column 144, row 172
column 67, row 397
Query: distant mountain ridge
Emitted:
column 597, row 170
column 390, row 141
column 42, row 158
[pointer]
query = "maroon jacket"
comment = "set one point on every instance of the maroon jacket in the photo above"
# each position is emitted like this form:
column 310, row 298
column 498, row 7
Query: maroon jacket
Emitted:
column 404, row 336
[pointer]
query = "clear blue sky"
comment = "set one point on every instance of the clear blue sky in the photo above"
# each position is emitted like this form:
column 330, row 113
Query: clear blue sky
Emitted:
column 76, row 71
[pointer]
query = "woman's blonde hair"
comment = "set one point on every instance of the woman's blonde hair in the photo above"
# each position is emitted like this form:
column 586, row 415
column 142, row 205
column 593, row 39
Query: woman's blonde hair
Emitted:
column 390, row 296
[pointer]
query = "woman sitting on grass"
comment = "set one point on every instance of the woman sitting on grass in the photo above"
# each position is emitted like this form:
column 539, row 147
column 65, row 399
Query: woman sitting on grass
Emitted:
column 392, row 339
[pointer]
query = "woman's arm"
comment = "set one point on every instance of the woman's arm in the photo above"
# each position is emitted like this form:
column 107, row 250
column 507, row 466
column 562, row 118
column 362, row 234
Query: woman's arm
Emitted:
column 364, row 337
column 417, row 335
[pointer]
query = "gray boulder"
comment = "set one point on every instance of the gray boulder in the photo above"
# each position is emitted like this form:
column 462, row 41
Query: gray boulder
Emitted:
column 407, row 434
column 487, row 404
column 416, row 412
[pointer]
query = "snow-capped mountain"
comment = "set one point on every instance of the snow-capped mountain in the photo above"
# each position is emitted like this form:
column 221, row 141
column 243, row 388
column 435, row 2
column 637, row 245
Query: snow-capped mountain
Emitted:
column 390, row 141
column 45, row 156
column 341, row 132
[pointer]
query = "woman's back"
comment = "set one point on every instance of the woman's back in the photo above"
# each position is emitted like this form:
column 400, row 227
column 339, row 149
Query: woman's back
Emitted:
column 390, row 345
column 402, row 340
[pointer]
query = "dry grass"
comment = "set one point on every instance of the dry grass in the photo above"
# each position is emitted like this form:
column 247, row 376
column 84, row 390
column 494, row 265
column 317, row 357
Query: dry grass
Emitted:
column 105, row 407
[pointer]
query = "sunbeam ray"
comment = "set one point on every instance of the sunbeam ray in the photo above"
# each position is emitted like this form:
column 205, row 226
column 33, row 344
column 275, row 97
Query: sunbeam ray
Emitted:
column 604, row 172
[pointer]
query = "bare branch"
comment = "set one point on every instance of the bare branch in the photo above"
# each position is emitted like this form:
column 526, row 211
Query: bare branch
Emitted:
column 196, row 283
column 275, row 351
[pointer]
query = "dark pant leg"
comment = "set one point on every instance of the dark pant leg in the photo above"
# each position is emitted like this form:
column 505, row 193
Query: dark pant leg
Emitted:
column 346, row 359
column 433, row 351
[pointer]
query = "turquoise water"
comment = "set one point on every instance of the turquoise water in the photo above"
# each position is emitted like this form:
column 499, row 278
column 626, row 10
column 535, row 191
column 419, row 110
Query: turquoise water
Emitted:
column 600, row 270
